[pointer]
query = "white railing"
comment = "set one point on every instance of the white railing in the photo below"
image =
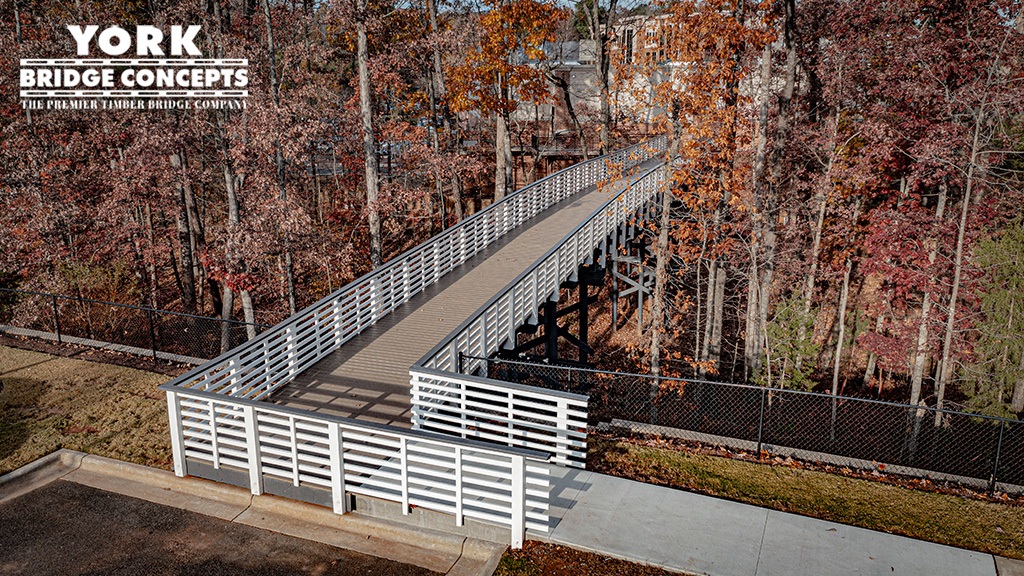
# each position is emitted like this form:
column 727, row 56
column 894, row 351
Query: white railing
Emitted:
column 513, row 414
column 216, row 418
column 257, row 368
column 438, row 394
column 463, row 478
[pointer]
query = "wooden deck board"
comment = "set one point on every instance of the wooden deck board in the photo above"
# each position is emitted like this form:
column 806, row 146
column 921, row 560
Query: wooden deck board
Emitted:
column 368, row 377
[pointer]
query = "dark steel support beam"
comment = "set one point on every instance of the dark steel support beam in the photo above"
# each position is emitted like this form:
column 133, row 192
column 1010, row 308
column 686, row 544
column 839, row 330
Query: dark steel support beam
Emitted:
column 551, row 330
column 584, row 321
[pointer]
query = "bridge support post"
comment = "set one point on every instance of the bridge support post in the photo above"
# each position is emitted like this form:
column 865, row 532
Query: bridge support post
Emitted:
column 551, row 330
column 586, row 276
column 584, row 321
column 640, row 286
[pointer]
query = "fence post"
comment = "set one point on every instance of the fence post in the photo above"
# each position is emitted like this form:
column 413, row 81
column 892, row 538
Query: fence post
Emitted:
column 995, row 460
column 403, row 456
column 760, row 424
column 518, row 501
column 177, row 433
column 337, row 444
column 459, row 515
column 56, row 318
column 460, row 363
column 252, row 447
column 152, row 333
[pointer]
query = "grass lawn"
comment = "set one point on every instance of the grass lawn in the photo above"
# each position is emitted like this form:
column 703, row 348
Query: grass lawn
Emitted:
column 51, row 402
column 944, row 518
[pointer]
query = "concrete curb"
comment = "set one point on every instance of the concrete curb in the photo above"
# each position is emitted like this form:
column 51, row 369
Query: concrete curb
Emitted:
column 438, row 551
column 441, row 551
column 39, row 473
column 432, row 550
column 161, row 487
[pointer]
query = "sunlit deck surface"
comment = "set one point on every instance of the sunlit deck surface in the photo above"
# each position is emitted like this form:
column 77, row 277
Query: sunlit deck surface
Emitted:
column 368, row 377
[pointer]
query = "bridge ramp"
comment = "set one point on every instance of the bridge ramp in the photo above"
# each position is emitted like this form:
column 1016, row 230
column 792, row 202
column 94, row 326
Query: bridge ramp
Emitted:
column 368, row 377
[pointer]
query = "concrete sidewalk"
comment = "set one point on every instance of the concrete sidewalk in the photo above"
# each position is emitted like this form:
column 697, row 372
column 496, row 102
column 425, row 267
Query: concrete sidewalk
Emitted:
column 703, row 535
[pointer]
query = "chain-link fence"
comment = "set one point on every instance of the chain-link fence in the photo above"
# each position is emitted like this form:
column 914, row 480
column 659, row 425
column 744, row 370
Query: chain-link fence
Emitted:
column 172, row 336
column 974, row 450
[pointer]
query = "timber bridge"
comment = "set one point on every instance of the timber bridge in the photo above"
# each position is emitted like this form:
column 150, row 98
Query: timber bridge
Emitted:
column 375, row 391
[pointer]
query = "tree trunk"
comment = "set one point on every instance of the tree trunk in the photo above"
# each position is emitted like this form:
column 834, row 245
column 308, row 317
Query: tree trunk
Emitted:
column 812, row 271
column 369, row 141
column 709, row 306
column 718, row 315
column 761, row 135
column 435, row 144
column 185, row 243
column 436, row 50
column 599, row 28
column 17, row 22
column 196, row 228
column 921, row 351
column 581, row 135
column 249, row 314
column 844, row 295
column 980, row 119
column 275, row 90
column 225, row 327
column 945, row 367
column 662, row 256
column 770, row 200
column 752, row 341
column 457, row 198
column 606, row 109
column 869, row 371
column 289, row 268
column 154, row 285
column 502, row 157
column 436, row 93
column 450, row 122
column 811, row 280
column 697, row 341
column 1017, row 402
column 232, row 183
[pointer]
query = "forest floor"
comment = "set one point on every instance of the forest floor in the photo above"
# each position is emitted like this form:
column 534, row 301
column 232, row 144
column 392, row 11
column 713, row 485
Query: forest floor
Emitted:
column 50, row 402
column 962, row 519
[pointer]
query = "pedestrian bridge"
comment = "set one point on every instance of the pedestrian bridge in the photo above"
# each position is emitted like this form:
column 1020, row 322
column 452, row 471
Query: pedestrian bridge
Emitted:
column 365, row 394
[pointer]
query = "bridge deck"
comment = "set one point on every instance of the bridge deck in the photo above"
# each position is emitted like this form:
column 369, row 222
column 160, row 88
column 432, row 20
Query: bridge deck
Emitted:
column 368, row 377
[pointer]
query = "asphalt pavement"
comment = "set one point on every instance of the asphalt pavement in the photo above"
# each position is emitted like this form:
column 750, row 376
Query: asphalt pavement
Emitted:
column 73, row 513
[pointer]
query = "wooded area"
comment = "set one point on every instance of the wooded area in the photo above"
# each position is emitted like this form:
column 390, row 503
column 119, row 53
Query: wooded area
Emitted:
column 845, row 209
column 849, row 198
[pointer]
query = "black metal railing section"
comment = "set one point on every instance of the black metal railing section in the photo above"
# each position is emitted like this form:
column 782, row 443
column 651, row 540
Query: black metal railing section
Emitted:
column 173, row 336
column 971, row 449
